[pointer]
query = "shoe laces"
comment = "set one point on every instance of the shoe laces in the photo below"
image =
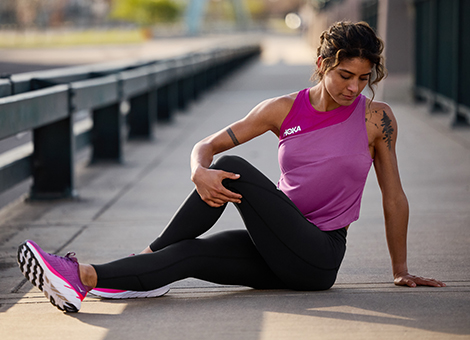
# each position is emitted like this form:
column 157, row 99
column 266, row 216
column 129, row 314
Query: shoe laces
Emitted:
column 71, row 256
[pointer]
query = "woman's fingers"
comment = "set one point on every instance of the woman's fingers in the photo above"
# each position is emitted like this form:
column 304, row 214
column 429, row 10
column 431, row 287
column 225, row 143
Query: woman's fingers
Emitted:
column 221, row 196
column 212, row 191
column 422, row 281
column 413, row 281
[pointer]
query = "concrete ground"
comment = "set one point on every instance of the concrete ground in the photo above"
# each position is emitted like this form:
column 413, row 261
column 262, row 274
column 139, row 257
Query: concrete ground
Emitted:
column 122, row 208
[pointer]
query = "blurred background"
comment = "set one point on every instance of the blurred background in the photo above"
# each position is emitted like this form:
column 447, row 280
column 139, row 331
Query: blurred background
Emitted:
column 420, row 35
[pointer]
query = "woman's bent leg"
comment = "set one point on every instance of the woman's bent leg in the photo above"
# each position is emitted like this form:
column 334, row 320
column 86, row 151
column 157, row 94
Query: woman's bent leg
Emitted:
column 193, row 218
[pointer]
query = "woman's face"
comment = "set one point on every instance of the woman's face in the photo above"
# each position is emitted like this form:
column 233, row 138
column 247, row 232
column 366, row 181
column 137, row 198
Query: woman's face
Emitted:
column 345, row 82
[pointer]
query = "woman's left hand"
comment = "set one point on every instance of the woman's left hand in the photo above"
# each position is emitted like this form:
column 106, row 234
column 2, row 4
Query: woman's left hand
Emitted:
column 406, row 279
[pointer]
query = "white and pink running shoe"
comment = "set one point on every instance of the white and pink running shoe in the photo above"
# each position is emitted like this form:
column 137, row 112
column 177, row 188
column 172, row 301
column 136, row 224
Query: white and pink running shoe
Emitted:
column 108, row 293
column 56, row 276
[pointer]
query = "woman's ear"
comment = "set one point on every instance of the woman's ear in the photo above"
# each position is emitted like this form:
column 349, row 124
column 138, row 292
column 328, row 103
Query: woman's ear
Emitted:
column 320, row 65
column 319, row 62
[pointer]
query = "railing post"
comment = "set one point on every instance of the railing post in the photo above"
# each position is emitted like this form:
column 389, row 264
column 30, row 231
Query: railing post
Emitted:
column 53, row 161
column 141, row 116
column 459, row 119
column 435, row 105
column 137, row 87
column 164, row 106
column 183, row 85
column 107, row 134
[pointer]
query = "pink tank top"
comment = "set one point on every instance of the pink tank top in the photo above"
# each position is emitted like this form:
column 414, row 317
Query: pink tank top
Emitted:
column 324, row 159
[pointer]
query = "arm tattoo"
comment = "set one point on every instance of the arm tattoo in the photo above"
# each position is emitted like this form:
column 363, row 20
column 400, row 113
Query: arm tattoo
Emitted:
column 387, row 129
column 232, row 135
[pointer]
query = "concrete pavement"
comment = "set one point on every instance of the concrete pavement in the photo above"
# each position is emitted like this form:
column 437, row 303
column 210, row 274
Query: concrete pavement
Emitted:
column 122, row 208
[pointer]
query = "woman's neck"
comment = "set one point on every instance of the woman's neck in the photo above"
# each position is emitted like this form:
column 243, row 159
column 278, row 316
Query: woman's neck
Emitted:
column 321, row 100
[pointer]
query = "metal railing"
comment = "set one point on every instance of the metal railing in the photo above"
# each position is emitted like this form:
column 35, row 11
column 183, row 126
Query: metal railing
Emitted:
column 441, row 57
column 45, row 103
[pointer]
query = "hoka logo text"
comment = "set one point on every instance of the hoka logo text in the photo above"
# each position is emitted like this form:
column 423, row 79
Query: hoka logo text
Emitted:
column 292, row 130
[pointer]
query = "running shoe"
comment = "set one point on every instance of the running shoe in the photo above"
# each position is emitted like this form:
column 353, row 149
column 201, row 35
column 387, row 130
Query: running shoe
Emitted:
column 108, row 293
column 56, row 276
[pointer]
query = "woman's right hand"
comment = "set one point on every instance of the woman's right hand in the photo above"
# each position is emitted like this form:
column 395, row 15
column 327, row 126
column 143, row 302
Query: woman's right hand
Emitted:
column 209, row 186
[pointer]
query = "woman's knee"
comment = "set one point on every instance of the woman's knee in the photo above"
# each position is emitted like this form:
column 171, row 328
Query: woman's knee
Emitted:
column 230, row 163
column 233, row 164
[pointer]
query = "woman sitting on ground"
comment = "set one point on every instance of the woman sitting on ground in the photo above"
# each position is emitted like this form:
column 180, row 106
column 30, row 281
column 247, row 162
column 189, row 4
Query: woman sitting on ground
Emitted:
column 295, row 232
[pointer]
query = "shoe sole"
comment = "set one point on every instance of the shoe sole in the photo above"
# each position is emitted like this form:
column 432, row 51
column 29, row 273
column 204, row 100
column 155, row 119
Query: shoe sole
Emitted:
column 130, row 294
column 35, row 269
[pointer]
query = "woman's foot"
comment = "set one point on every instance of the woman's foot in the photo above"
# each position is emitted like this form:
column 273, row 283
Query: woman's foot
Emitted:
column 56, row 276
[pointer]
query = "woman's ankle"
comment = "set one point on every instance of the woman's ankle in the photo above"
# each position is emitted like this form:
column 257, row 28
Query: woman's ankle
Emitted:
column 88, row 275
column 147, row 251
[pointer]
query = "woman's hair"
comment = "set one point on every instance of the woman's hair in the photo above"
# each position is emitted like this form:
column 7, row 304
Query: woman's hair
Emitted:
column 346, row 40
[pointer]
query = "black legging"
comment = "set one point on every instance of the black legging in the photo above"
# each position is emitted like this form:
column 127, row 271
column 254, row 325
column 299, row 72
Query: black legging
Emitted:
column 280, row 248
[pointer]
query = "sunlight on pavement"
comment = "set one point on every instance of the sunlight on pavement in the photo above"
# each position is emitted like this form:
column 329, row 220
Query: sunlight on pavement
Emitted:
column 92, row 323
column 357, row 311
column 347, row 322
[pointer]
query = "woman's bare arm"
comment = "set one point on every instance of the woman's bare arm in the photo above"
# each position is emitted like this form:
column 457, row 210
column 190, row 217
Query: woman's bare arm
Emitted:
column 395, row 203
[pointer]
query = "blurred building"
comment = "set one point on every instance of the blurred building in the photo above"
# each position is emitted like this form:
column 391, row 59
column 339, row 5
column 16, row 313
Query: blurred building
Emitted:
column 427, row 47
column 280, row 8
column 26, row 14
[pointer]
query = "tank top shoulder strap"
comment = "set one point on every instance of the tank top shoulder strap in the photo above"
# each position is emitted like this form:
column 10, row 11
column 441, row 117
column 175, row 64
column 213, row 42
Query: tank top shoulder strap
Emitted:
column 360, row 110
column 295, row 109
column 358, row 118
column 299, row 101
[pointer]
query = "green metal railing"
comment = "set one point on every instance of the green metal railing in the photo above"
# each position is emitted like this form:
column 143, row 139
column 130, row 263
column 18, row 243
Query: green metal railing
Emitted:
column 369, row 12
column 46, row 102
column 442, row 56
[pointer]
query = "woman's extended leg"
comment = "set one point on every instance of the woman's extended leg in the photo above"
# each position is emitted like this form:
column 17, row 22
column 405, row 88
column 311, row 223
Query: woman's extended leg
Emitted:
column 227, row 257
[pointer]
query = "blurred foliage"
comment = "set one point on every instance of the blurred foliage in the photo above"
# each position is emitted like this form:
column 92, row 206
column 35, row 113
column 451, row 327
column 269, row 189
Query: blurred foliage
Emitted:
column 146, row 12
column 217, row 10
column 258, row 9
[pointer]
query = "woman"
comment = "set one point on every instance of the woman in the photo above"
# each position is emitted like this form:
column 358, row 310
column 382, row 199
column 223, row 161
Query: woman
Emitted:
column 295, row 235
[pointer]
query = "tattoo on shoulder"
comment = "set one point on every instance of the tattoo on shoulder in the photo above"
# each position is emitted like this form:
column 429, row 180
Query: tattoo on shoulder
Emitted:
column 232, row 135
column 369, row 116
column 387, row 130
